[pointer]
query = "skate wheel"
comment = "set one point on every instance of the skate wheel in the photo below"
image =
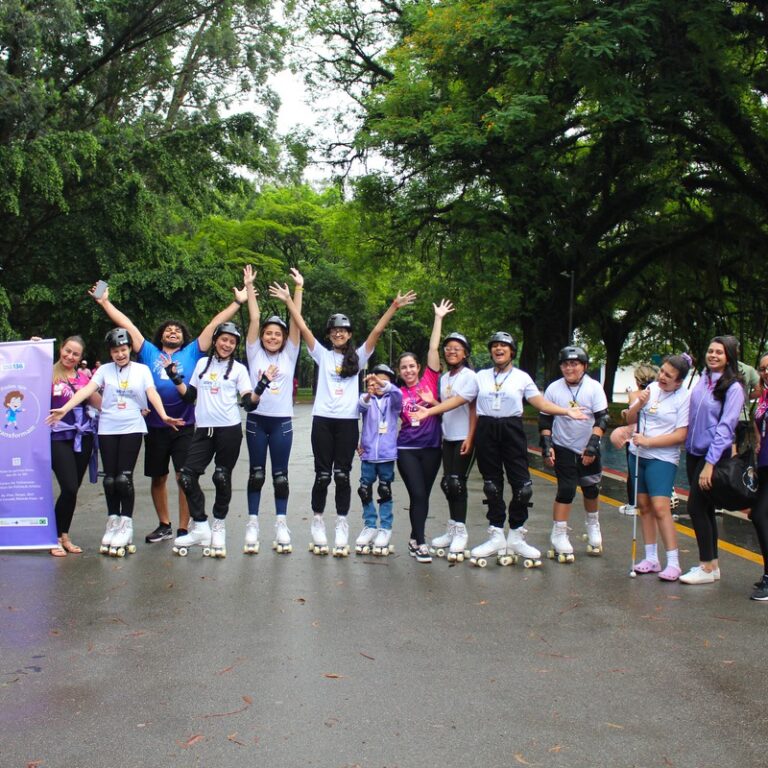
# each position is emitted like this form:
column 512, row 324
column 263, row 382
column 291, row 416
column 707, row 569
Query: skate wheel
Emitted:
column 482, row 562
column 312, row 548
column 274, row 545
column 103, row 550
column 460, row 557
column 584, row 537
column 182, row 551
column 385, row 551
column 561, row 558
column 131, row 549
column 207, row 552
column 120, row 552
column 440, row 552
column 551, row 554
column 527, row 563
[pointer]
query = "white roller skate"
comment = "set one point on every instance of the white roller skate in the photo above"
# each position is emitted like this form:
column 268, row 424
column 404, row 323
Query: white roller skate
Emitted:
column 282, row 543
column 381, row 545
column 519, row 549
column 496, row 545
column 251, row 546
column 561, row 550
column 319, row 543
column 592, row 536
column 364, row 542
column 122, row 539
column 341, row 544
column 458, row 551
column 218, row 539
column 113, row 523
column 199, row 536
column 441, row 544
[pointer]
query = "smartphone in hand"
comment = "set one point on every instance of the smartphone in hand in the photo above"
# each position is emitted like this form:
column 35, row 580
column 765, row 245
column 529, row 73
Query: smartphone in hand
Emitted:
column 99, row 289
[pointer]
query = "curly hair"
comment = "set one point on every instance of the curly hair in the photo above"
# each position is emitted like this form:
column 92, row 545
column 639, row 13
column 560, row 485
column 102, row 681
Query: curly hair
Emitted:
column 186, row 336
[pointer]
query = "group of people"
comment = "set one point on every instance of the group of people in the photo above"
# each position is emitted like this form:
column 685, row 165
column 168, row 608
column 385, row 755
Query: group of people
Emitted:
column 413, row 418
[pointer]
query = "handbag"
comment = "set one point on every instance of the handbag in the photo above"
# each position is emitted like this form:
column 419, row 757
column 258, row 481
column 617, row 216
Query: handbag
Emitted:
column 734, row 481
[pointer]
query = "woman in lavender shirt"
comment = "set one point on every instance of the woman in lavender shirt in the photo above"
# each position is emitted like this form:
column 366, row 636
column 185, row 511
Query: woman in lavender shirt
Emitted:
column 716, row 403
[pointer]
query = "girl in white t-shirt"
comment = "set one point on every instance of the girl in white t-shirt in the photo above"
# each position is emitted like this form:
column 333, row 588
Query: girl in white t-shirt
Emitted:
column 218, row 386
column 270, row 428
column 335, row 428
column 126, row 388
column 661, row 414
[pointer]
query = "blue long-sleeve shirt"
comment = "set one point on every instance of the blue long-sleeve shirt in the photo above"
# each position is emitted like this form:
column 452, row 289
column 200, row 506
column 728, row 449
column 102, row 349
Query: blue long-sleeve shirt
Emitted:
column 380, row 421
column 710, row 433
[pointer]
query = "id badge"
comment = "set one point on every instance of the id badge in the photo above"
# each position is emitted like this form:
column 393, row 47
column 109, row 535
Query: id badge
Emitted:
column 496, row 405
column 121, row 405
column 339, row 391
column 382, row 427
column 214, row 390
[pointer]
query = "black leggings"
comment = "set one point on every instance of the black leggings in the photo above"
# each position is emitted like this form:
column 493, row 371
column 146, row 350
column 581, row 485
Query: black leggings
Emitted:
column 334, row 442
column 69, row 468
column 760, row 515
column 701, row 508
column 418, row 468
column 456, row 464
column 118, row 459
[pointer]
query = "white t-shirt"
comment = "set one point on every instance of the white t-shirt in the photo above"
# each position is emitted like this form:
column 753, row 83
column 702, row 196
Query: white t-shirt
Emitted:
column 662, row 414
column 217, row 398
column 124, row 398
column 277, row 398
column 336, row 398
column 463, row 384
column 590, row 398
column 500, row 395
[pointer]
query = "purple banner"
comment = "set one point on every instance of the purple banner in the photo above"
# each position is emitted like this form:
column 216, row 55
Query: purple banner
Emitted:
column 26, row 494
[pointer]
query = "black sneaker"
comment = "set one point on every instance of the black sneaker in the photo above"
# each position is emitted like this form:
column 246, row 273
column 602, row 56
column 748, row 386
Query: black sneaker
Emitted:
column 161, row 533
column 761, row 593
column 422, row 554
column 413, row 547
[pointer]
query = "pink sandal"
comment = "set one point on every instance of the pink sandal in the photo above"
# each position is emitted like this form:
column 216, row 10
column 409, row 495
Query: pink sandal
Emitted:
column 647, row 566
column 670, row 573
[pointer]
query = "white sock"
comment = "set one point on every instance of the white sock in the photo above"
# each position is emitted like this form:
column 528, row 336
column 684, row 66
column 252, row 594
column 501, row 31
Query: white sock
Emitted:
column 673, row 558
column 651, row 553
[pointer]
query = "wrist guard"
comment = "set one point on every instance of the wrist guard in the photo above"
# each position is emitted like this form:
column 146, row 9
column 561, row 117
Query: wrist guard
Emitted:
column 593, row 446
column 264, row 382
column 547, row 446
column 175, row 378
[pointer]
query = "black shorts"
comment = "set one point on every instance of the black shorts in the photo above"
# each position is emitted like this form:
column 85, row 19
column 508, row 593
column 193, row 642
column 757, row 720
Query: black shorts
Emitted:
column 161, row 444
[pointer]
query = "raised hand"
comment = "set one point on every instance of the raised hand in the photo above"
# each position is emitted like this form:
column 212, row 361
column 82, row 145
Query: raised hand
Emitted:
column 443, row 308
column 403, row 300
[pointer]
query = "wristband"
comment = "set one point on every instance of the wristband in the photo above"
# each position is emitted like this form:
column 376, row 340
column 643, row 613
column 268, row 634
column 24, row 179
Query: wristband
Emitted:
column 298, row 288
column 264, row 382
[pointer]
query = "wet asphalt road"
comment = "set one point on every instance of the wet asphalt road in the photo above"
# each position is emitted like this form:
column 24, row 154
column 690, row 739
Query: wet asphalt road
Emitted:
column 299, row 660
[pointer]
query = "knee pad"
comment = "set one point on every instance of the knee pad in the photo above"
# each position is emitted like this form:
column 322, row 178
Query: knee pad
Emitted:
column 109, row 486
column 492, row 490
column 280, row 484
column 591, row 491
column 521, row 497
column 454, row 487
column 365, row 492
column 566, row 491
column 256, row 479
column 222, row 480
column 341, row 478
column 124, row 485
column 385, row 491
column 322, row 480
column 187, row 480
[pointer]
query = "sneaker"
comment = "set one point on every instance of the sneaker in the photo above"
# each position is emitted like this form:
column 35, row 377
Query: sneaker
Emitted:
column 716, row 574
column 697, row 575
column 628, row 509
column 422, row 554
column 163, row 532
column 761, row 591
column 413, row 547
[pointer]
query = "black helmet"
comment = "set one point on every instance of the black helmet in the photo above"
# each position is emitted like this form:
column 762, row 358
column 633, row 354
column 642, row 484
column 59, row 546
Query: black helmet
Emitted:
column 338, row 321
column 229, row 328
column 461, row 338
column 385, row 369
column 502, row 337
column 573, row 353
column 117, row 337
column 276, row 320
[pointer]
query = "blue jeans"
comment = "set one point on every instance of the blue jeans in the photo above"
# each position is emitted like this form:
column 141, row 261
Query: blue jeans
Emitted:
column 385, row 472
column 271, row 433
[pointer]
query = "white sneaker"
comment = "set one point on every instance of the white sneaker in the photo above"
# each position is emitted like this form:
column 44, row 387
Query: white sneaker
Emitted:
column 628, row 509
column 697, row 575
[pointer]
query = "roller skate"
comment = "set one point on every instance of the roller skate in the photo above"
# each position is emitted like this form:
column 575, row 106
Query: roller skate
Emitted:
column 218, row 539
column 458, row 552
column 381, row 545
column 122, row 540
column 341, row 543
column 496, row 545
column 199, row 536
column 520, row 549
column 364, row 542
column 251, row 546
column 319, row 543
column 282, row 543
column 561, row 550
column 592, row 536
column 113, row 523
column 441, row 544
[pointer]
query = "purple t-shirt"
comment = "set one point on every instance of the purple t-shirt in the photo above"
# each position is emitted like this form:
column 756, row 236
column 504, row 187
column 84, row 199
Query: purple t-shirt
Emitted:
column 428, row 433
column 762, row 427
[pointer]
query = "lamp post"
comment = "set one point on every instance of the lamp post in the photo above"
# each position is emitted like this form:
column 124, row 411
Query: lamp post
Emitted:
column 572, row 275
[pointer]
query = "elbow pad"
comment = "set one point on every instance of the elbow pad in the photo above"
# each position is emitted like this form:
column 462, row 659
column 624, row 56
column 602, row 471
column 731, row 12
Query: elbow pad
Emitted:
column 247, row 403
column 545, row 421
column 190, row 395
column 602, row 419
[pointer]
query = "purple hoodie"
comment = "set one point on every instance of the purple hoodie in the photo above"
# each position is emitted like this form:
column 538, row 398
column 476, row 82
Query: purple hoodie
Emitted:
column 710, row 434
column 379, row 446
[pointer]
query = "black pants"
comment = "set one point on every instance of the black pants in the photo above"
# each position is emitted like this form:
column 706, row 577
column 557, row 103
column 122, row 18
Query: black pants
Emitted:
column 456, row 464
column 760, row 515
column 418, row 468
column 502, row 447
column 69, row 468
column 701, row 508
column 334, row 442
column 221, row 444
column 118, row 460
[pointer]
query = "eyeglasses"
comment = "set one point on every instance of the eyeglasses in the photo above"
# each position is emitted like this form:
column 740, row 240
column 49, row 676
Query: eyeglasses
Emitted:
column 453, row 350
column 762, row 369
